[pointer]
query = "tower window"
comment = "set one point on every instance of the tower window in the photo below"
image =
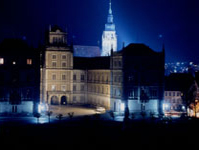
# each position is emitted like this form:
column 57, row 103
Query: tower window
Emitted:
column 1, row 61
column 29, row 61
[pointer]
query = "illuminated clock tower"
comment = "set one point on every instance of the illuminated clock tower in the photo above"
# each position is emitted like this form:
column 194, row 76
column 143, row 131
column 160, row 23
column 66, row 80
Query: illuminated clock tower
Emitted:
column 109, row 37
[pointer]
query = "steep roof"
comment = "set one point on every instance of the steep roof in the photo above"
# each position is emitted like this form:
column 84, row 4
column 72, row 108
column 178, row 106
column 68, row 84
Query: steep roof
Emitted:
column 15, row 47
column 138, row 50
column 86, row 51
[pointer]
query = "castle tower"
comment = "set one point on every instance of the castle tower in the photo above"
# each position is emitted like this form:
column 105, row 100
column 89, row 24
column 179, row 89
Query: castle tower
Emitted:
column 109, row 37
column 56, row 72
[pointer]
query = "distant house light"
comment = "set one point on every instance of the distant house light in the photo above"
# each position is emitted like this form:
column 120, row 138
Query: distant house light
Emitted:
column 14, row 62
column 29, row 61
column 1, row 61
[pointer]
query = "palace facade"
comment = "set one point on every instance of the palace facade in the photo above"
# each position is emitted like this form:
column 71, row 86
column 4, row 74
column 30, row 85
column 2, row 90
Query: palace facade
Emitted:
column 133, row 77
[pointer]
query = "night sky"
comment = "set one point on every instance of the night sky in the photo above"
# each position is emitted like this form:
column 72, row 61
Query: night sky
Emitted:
column 153, row 22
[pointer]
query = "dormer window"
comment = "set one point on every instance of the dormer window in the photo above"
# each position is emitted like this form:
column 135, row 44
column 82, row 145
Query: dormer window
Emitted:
column 1, row 61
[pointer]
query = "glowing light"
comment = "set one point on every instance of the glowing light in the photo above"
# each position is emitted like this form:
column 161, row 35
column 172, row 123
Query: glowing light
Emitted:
column 165, row 106
column 29, row 61
column 1, row 61
column 42, row 108
column 122, row 106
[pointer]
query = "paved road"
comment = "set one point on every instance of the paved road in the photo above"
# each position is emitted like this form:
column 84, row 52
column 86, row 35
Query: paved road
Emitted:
column 64, row 110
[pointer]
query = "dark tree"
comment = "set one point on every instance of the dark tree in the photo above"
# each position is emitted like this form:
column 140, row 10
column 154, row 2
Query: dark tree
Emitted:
column 190, row 98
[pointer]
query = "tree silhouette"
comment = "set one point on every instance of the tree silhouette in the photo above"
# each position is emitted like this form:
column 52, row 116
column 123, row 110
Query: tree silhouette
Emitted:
column 190, row 98
column 59, row 116
column 49, row 114
column 37, row 115
column 112, row 115
column 71, row 114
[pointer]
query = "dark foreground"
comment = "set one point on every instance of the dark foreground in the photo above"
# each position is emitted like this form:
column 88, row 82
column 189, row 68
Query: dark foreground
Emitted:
column 96, row 132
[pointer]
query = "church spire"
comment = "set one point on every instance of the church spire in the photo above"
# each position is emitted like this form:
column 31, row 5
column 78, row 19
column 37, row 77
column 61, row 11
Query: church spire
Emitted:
column 110, row 9
column 109, row 37
column 110, row 14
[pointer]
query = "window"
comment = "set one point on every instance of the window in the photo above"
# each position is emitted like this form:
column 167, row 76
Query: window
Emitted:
column 54, row 64
column 115, row 79
column 132, row 93
column 74, row 88
column 82, row 87
column 82, row 77
column 165, row 93
column 54, row 76
column 130, row 78
column 178, row 94
column 54, row 39
column 102, row 78
column 82, row 99
column 54, row 56
column 63, row 77
column 115, row 92
column 63, row 64
column 29, row 61
column 154, row 93
column 74, row 99
column 63, row 56
column 102, row 90
column 119, row 63
column 115, row 63
column 53, row 87
column 173, row 93
column 63, row 88
column 1, row 61
column 119, row 79
column 74, row 77
column 107, row 79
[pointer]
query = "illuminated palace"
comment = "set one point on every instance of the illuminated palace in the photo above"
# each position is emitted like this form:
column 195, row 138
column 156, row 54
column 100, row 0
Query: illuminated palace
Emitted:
column 133, row 76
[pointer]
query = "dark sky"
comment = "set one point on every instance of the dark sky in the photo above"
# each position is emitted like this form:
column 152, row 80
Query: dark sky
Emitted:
column 153, row 22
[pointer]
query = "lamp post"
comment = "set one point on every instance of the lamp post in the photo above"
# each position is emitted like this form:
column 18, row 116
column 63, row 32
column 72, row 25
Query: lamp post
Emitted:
column 195, row 105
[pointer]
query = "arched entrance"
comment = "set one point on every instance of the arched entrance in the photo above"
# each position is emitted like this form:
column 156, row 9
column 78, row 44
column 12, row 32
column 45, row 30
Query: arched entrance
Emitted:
column 63, row 100
column 54, row 100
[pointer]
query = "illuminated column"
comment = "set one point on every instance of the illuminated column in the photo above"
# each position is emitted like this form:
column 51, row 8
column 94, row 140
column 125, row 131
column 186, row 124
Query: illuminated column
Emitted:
column 109, row 37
